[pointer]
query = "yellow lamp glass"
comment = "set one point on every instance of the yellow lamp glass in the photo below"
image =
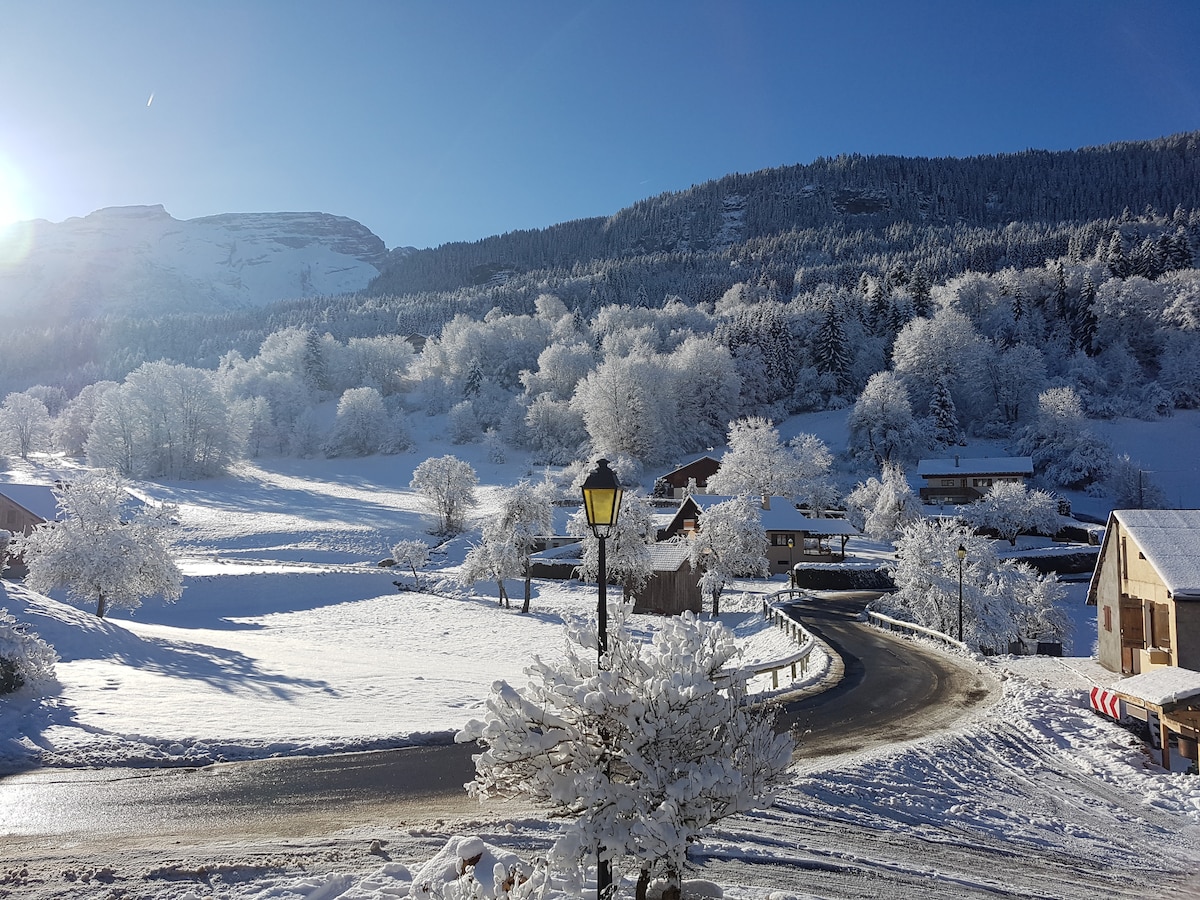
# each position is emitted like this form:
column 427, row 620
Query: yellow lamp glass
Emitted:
column 602, row 497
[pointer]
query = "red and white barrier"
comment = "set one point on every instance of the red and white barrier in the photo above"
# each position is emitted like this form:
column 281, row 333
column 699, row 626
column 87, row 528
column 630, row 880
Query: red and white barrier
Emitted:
column 1106, row 702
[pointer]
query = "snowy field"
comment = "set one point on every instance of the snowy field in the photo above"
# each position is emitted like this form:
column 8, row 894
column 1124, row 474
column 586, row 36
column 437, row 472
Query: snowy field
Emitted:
column 289, row 640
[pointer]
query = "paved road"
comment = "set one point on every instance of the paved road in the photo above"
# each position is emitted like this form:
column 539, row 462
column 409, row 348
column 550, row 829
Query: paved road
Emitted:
column 891, row 691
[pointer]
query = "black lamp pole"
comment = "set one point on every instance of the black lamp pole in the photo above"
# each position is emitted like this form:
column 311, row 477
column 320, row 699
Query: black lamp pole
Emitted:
column 602, row 504
column 962, row 554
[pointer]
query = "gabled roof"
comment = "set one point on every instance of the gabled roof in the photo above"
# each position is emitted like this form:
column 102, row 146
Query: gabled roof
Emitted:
column 983, row 465
column 782, row 516
column 669, row 556
column 1170, row 540
column 35, row 498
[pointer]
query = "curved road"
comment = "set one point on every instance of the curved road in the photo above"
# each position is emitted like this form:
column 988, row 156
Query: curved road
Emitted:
column 891, row 691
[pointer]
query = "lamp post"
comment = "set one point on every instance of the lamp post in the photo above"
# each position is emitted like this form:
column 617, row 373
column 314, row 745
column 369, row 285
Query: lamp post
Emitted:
column 961, row 552
column 602, row 504
column 791, row 570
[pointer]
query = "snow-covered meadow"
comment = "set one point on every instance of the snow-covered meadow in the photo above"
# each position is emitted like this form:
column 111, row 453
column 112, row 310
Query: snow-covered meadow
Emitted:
column 290, row 640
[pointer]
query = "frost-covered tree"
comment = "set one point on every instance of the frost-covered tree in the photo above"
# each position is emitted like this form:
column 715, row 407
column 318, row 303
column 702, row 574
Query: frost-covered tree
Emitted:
column 637, row 755
column 495, row 558
column 448, row 486
column 881, row 507
column 413, row 554
column 25, row 659
column 74, row 423
column 526, row 515
column 106, row 548
column 731, row 543
column 626, row 404
column 5, row 542
column 943, row 418
column 1064, row 450
column 24, row 424
column 627, row 549
column 1132, row 487
column 1002, row 599
column 1011, row 509
column 757, row 462
column 164, row 421
column 881, row 424
column 363, row 426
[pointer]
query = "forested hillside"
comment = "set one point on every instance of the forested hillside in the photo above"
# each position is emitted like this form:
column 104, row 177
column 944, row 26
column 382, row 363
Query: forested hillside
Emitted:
column 1009, row 296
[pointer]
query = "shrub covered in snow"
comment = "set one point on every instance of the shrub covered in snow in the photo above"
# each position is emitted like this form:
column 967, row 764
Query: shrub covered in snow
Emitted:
column 640, row 753
column 25, row 659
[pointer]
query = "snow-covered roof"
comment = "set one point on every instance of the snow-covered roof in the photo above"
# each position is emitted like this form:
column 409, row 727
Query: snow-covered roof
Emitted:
column 829, row 527
column 783, row 516
column 1162, row 686
column 36, row 498
column 668, row 556
column 1170, row 539
column 984, row 465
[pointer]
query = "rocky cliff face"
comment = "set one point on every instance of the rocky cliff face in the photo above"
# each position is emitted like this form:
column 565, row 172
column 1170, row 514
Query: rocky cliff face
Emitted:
column 139, row 260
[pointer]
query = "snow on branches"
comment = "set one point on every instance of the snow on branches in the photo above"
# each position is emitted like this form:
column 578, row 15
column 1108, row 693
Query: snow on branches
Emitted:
column 640, row 754
column 107, row 547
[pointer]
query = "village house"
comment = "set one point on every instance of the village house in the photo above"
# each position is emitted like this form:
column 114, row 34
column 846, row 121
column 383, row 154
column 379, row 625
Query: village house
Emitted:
column 22, row 508
column 690, row 478
column 792, row 537
column 1146, row 590
column 956, row 481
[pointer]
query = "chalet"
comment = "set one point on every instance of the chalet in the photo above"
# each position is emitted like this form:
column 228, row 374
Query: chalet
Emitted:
column 1146, row 590
column 792, row 537
column 694, row 475
column 959, row 480
column 24, row 506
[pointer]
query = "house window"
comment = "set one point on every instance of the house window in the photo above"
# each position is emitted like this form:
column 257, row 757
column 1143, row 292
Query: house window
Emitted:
column 10, row 517
column 1108, row 618
column 982, row 482
column 949, row 482
column 779, row 539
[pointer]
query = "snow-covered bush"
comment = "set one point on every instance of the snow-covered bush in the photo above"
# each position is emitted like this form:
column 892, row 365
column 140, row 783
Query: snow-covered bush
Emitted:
column 880, row 507
column 448, row 485
column 25, row 659
column 412, row 555
column 639, row 753
column 1002, row 600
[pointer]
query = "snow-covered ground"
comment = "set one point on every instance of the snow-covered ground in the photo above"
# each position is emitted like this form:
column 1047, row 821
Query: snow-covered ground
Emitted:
column 289, row 640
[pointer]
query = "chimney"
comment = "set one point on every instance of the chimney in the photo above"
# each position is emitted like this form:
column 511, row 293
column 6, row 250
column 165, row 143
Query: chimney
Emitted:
column 766, row 501
column 956, row 460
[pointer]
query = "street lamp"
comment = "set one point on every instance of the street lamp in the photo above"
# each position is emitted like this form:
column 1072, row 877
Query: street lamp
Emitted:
column 791, row 570
column 602, row 504
column 962, row 554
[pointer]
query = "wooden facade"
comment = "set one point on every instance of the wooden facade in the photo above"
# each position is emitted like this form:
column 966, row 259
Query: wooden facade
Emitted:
column 1146, row 590
column 960, row 480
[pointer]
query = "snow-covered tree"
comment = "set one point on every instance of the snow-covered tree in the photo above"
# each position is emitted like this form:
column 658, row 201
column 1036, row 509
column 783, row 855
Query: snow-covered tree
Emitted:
column 526, row 515
column 881, row 424
column 24, row 424
column 363, row 426
column 638, row 754
column 448, row 485
column 1002, row 599
column 73, row 425
column 626, row 550
column 943, row 418
column 106, row 548
column 758, row 464
column 5, row 542
column 413, row 554
column 625, row 404
column 164, row 421
column 731, row 542
column 25, row 659
column 1064, row 450
column 1132, row 487
column 495, row 558
column 1010, row 509
column 881, row 507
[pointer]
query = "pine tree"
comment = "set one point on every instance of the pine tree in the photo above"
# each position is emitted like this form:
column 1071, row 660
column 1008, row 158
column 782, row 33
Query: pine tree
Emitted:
column 920, row 290
column 833, row 355
column 943, row 416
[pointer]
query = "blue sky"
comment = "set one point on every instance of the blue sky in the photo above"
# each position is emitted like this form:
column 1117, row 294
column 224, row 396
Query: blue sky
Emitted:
column 441, row 121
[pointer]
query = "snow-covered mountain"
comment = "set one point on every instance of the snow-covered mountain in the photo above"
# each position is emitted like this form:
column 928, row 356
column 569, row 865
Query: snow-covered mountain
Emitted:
column 141, row 260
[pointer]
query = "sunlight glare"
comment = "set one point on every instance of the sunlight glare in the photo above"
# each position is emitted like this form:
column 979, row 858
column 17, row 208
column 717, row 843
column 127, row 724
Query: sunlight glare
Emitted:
column 14, row 237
